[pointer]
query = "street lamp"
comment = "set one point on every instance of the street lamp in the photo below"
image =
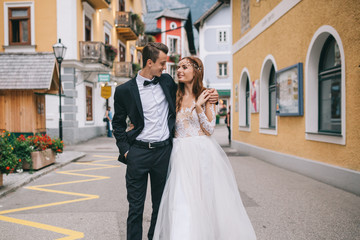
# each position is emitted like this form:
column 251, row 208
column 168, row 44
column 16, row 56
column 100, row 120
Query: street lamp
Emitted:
column 59, row 52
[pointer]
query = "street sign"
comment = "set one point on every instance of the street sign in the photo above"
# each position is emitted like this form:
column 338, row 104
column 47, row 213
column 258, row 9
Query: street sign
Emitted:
column 103, row 77
column 106, row 92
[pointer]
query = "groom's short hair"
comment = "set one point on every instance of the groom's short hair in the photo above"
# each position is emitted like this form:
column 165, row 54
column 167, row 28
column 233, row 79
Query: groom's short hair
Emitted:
column 151, row 51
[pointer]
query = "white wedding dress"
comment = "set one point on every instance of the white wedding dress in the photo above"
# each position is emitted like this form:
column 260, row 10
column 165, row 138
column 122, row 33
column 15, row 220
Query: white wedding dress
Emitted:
column 201, row 200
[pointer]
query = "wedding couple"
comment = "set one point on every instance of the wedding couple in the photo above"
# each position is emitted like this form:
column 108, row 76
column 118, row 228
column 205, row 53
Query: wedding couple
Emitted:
column 193, row 189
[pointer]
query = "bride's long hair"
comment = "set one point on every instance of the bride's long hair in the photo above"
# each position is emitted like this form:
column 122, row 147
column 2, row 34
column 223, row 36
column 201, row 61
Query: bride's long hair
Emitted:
column 197, row 81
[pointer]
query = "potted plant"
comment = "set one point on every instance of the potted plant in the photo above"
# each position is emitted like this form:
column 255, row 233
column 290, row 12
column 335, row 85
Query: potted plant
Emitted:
column 8, row 160
column 111, row 52
column 44, row 151
column 23, row 150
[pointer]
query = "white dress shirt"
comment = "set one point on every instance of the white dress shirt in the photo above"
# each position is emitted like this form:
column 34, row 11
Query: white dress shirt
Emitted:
column 156, row 111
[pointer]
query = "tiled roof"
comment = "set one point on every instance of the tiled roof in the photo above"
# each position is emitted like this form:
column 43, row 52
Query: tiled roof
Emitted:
column 168, row 13
column 150, row 19
column 26, row 70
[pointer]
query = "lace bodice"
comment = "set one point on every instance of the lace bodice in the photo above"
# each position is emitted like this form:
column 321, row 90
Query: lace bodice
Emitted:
column 189, row 123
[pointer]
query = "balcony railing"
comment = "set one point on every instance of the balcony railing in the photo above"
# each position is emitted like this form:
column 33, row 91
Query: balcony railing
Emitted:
column 142, row 41
column 123, row 69
column 94, row 52
column 126, row 26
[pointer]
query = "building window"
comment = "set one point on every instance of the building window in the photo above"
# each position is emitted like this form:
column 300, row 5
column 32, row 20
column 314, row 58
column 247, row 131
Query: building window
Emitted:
column 330, row 88
column 122, row 5
column 107, row 38
column 19, row 26
column 122, row 52
column 172, row 71
column 87, row 29
column 89, row 107
column 173, row 45
column 247, row 102
column 173, row 25
column 245, row 15
column 222, row 70
column 222, row 36
column 272, row 98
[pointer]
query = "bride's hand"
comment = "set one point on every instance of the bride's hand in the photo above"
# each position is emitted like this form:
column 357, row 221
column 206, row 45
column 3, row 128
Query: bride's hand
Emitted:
column 204, row 96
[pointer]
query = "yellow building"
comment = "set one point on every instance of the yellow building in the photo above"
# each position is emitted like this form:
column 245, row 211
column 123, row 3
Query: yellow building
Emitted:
column 296, row 87
column 103, row 40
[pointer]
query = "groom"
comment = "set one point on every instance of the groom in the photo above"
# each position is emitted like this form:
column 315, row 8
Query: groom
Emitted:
column 149, row 101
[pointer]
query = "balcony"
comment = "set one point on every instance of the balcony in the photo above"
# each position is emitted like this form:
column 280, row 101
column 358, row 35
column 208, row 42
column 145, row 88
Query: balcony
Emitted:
column 95, row 52
column 126, row 26
column 141, row 42
column 123, row 69
column 98, row 4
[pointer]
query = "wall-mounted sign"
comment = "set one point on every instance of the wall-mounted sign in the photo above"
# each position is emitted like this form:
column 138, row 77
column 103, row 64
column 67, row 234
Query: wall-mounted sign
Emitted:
column 103, row 77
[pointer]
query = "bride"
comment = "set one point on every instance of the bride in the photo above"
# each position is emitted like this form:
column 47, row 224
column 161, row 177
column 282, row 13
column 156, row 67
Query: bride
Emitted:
column 201, row 200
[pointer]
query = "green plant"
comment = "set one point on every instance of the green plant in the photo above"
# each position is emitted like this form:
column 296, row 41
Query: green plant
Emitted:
column 57, row 145
column 8, row 160
column 174, row 58
column 22, row 150
column 151, row 38
column 111, row 52
column 135, row 67
column 139, row 24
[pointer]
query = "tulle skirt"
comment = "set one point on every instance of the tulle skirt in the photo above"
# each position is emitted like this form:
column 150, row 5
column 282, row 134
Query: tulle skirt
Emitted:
column 201, row 199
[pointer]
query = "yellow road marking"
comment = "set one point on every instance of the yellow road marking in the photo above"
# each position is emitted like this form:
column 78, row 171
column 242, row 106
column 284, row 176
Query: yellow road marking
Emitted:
column 70, row 234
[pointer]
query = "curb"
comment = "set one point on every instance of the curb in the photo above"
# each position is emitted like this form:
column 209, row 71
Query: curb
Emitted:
column 64, row 159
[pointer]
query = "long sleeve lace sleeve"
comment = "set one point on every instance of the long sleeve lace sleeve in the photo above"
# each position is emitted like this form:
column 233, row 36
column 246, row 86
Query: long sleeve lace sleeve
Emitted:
column 206, row 125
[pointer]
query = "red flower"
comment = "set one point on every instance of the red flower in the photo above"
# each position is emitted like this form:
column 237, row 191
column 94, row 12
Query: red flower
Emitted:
column 8, row 168
column 19, row 160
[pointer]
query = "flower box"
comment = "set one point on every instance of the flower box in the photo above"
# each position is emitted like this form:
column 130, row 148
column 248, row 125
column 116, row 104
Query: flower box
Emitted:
column 40, row 159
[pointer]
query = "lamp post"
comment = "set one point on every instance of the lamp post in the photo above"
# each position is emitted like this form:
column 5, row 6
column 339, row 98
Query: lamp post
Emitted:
column 59, row 52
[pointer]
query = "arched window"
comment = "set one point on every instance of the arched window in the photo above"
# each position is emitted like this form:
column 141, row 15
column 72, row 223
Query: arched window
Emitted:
column 247, row 101
column 244, row 101
column 330, row 88
column 272, row 98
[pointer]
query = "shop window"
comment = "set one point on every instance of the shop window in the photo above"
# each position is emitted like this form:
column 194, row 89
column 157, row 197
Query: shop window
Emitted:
column 89, row 104
column 19, row 26
column 247, row 102
column 244, row 102
column 272, row 98
column 330, row 88
column 325, row 81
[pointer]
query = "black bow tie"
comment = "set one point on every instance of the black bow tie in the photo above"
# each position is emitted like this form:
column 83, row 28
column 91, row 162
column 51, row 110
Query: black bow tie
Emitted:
column 155, row 81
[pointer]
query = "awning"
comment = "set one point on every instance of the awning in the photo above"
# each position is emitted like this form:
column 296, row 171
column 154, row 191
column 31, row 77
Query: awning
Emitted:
column 224, row 93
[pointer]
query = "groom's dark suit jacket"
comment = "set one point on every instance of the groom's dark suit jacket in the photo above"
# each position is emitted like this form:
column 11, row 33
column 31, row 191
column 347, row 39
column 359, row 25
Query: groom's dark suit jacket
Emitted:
column 127, row 102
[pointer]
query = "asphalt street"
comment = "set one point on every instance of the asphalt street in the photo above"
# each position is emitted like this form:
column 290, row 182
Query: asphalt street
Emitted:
column 86, row 199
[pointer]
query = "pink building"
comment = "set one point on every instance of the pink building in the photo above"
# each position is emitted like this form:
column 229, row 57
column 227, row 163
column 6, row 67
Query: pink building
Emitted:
column 172, row 27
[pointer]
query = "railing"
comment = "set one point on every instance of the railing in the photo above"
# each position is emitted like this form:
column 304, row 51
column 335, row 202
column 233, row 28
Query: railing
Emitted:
column 123, row 69
column 94, row 52
column 124, row 20
column 142, row 41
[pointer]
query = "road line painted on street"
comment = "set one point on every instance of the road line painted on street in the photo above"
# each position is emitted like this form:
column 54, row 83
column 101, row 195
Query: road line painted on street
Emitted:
column 70, row 233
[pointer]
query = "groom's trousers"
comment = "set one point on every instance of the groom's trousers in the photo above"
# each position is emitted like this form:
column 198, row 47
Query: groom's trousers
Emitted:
column 141, row 163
